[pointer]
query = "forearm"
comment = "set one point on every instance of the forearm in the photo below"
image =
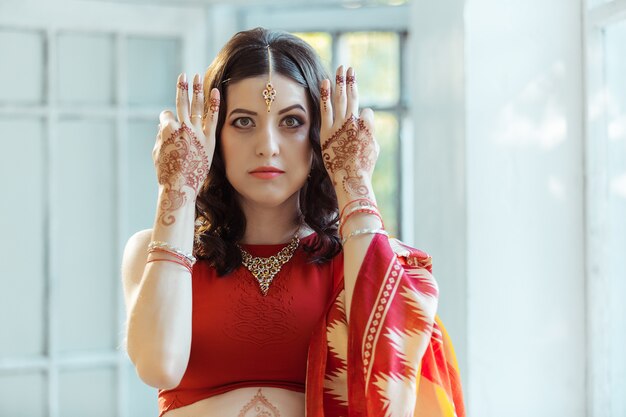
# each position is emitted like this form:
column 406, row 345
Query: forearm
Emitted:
column 159, row 325
column 356, row 247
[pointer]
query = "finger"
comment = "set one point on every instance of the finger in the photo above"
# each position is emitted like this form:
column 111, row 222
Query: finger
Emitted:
column 326, row 108
column 339, row 97
column 210, row 121
column 367, row 115
column 166, row 118
column 182, row 98
column 157, row 142
column 352, row 95
column 197, row 102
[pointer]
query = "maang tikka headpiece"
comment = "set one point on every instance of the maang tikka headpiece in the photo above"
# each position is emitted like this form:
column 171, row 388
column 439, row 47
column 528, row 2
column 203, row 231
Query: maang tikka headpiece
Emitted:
column 269, row 94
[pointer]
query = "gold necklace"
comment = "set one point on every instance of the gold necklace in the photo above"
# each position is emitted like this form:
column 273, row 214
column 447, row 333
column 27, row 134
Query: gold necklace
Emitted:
column 265, row 269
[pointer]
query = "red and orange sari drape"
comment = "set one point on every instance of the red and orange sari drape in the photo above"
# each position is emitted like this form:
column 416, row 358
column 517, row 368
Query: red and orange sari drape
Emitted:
column 395, row 358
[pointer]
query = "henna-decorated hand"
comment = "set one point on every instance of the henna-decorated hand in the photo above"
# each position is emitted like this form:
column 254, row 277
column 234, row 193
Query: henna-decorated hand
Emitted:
column 184, row 147
column 349, row 149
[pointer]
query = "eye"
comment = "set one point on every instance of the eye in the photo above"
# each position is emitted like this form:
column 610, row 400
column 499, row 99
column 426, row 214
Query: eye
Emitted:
column 292, row 122
column 243, row 122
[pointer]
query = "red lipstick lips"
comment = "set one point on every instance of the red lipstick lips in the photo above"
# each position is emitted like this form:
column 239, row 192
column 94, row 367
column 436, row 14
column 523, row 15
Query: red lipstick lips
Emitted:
column 266, row 173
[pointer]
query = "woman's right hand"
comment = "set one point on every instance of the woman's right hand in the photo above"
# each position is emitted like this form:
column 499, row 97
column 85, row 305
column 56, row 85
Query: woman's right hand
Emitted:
column 184, row 147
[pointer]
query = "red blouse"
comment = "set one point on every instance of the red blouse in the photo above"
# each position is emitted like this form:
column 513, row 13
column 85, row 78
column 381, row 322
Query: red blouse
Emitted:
column 241, row 338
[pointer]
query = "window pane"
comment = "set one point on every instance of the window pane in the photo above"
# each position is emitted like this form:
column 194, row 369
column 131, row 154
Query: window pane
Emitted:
column 140, row 182
column 86, row 69
column 594, row 3
column 83, row 246
column 22, row 223
column 142, row 398
column 386, row 180
column 23, row 395
column 323, row 43
column 376, row 59
column 87, row 393
column 153, row 67
column 21, row 72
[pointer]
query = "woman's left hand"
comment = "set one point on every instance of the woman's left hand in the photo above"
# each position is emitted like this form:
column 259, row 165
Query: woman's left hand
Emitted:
column 349, row 149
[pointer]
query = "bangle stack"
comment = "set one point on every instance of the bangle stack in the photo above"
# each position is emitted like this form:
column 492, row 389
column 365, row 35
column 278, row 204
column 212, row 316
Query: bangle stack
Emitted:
column 364, row 232
column 361, row 205
column 185, row 259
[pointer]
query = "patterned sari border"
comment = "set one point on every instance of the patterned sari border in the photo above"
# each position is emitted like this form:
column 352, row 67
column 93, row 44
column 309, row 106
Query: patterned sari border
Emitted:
column 388, row 289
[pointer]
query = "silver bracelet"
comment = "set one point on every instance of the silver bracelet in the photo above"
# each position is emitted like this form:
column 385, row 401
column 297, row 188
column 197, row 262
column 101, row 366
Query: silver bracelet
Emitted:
column 166, row 246
column 364, row 232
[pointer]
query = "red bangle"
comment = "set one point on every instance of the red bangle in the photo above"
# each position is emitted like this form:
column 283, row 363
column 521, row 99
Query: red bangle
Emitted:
column 172, row 253
column 360, row 210
column 358, row 200
column 181, row 258
column 170, row 260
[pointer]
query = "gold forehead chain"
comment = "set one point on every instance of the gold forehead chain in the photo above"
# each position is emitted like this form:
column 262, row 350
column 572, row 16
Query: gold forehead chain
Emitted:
column 269, row 93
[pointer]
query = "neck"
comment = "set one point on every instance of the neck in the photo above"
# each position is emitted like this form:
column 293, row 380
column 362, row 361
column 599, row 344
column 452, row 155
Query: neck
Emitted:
column 271, row 225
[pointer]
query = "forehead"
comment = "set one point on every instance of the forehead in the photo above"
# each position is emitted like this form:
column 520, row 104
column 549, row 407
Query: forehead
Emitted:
column 248, row 93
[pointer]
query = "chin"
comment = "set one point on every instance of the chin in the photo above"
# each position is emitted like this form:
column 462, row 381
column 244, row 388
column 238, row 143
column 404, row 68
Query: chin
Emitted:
column 268, row 199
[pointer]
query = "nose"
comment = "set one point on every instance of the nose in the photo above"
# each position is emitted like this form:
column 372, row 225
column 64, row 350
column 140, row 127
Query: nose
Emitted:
column 267, row 142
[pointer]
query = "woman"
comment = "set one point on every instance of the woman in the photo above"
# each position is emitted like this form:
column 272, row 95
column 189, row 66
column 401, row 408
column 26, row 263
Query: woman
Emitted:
column 259, row 181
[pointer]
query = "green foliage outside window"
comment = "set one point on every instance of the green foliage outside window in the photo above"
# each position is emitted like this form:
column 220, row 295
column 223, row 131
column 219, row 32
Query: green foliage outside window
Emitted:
column 376, row 59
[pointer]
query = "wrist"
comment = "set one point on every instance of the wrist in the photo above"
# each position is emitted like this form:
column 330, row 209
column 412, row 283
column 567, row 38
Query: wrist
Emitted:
column 344, row 199
column 175, row 208
column 179, row 197
column 349, row 188
column 361, row 209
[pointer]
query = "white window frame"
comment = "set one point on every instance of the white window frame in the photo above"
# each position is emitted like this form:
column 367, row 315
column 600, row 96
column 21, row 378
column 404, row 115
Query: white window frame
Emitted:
column 598, row 16
column 50, row 18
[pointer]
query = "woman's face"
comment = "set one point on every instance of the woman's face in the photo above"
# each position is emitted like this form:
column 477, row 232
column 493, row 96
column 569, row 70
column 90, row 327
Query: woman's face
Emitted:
column 267, row 155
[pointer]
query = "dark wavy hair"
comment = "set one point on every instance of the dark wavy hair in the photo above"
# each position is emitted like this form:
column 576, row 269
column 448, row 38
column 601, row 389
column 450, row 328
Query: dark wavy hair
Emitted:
column 220, row 221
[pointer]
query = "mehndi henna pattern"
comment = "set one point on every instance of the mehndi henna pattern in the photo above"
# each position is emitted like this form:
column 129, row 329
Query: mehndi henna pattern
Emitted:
column 183, row 85
column 340, row 81
column 215, row 105
column 197, row 89
column 259, row 406
column 350, row 80
column 182, row 162
column 325, row 94
column 351, row 149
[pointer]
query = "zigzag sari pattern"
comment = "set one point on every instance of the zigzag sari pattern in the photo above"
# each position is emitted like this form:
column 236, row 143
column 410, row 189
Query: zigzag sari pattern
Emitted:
column 395, row 359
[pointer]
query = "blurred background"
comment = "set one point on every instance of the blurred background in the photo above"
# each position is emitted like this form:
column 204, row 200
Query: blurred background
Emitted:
column 503, row 132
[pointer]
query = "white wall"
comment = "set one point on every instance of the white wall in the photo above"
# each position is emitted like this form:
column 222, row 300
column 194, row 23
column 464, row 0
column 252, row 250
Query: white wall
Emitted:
column 498, row 105
column 526, row 318
column 438, row 111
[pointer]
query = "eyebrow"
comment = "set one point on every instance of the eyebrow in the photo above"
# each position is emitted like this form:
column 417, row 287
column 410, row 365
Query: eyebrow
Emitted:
column 295, row 106
column 252, row 113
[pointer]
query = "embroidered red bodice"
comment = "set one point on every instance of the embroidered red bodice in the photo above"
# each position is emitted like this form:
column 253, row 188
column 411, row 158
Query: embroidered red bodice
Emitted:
column 241, row 338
